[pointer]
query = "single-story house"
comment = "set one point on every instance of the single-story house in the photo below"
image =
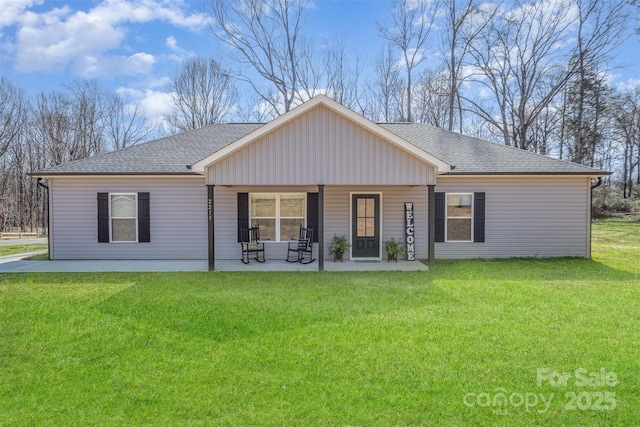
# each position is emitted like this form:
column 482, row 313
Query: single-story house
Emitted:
column 326, row 167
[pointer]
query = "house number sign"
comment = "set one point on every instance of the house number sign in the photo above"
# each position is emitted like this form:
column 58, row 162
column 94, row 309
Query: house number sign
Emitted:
column 409, row 231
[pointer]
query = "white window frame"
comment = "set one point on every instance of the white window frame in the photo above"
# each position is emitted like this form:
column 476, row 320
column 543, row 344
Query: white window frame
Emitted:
column 447, row 217
column 278, row 217
column 111, row 218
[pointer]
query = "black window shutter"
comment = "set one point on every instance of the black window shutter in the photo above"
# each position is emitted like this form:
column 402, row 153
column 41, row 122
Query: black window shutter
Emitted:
column 478, row 217
column 312, row 214
column 103, row 217
column 440, row 216
column 243, row 213
column 144, row 218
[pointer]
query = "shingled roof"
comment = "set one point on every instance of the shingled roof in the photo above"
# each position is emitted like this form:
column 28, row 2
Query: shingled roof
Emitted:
column 473, row 156
column 164, row 156
column 173, row 154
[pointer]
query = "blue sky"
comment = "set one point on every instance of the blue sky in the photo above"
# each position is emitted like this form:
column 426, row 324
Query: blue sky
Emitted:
column 130, row 46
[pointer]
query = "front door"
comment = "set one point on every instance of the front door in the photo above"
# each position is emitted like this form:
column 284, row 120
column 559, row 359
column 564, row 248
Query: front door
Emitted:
column 365, row 226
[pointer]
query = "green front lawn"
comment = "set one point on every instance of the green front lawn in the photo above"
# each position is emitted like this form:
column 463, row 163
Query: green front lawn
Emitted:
column 426, row 348
column 20, row 248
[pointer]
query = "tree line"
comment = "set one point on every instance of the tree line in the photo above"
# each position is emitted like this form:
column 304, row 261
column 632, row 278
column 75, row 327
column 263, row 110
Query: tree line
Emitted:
column 527, row 74
column 54, row 128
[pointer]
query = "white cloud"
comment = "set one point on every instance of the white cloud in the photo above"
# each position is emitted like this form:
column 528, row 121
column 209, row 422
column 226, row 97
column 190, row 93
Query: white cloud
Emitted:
column 629, row 85
column 179, row 54
column 52, row 40
column 154, row 104
column 85, row 40
column 13, row 9
column 92, row 66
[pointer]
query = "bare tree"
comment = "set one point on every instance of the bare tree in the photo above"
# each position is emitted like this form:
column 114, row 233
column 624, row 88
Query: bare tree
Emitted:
column 523, row 59
column 266, row 36
column 342, row 75
column 13, row 114
column 627, row 117
column 519, row 61
column 251, row 110
column 431, row 99
column 86, row 118
column 14, row 108
column 601, row 25
column 124, row 125
column 52, row 126
column 464, row 21
column 386, row 89
column 55, row 128
column 411, row 23
column 201, row 93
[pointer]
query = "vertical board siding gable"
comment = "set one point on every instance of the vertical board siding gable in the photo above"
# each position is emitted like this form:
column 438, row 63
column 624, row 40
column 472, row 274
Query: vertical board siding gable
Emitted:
column 321, row 146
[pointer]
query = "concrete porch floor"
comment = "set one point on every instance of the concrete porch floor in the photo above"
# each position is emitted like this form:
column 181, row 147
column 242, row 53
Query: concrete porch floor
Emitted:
column 23, row 266
column 280, row 265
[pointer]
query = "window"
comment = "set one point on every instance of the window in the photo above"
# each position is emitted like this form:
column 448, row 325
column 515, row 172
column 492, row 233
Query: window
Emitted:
column 453, row 215
column 366, row 216
column 123, row 218
column 279, row 215
column 459, row 217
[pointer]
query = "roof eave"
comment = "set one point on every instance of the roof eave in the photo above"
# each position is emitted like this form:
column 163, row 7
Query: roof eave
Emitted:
column 45, row 174
column 594, row 174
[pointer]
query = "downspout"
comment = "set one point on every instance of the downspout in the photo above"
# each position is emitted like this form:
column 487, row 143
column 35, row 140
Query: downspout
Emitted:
column 46, row 187
column 593, row 186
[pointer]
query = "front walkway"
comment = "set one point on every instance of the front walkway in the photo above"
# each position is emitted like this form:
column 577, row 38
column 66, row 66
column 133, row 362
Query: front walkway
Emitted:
column 21, row 266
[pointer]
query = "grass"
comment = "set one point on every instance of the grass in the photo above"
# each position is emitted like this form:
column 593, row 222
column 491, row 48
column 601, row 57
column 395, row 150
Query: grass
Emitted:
column 328, row 348
column 18, row 249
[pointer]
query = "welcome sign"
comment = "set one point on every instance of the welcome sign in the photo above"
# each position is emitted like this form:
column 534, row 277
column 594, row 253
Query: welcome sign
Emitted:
column 409, row 231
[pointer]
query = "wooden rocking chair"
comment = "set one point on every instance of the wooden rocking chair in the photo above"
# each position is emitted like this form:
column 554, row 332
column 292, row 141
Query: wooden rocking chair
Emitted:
column 251, row 244
column 302, row 247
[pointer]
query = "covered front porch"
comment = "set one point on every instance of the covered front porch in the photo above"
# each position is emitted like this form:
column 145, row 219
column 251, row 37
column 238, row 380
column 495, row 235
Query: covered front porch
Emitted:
column 367, row 216
column 324, row 167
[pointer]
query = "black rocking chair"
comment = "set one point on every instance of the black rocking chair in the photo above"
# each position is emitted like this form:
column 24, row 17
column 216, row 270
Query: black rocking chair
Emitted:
column 303, row 246
column 251, row 244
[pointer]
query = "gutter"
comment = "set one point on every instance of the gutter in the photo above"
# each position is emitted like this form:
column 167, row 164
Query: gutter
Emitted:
column 46, row 187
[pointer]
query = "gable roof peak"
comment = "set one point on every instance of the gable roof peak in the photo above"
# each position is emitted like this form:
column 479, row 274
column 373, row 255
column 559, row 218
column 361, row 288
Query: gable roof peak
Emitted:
column 322, row 100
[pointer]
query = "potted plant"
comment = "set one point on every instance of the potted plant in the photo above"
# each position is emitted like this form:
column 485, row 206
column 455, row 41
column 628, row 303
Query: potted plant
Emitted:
column 339, row 245
column 393, row 249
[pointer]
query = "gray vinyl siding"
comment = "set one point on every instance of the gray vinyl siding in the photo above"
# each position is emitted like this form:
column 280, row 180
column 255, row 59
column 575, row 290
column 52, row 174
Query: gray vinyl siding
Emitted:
column 321, row 147
column 337, row 216
column 525, row 217
column 226, row 221
column 178, row 218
